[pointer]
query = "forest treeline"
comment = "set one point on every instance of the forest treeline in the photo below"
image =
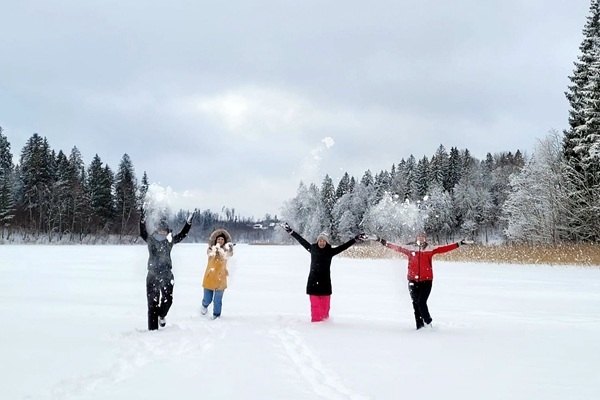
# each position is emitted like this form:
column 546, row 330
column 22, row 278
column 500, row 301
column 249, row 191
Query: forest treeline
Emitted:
column 549, row 197
column 50, row 196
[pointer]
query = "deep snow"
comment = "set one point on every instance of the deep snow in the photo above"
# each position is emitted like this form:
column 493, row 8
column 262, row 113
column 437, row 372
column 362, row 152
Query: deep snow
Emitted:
column 74, row 321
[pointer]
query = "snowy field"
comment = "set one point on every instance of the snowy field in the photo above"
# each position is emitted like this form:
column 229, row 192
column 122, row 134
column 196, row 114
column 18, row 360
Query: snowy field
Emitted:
column 74, row 320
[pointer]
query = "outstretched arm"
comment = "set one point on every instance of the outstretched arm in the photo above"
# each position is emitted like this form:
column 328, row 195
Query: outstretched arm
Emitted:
column 446, row 248
column 393, row 246
column 182, row 235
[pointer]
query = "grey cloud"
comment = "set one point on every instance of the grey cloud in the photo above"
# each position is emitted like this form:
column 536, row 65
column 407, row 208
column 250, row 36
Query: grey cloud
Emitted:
column 384, row 80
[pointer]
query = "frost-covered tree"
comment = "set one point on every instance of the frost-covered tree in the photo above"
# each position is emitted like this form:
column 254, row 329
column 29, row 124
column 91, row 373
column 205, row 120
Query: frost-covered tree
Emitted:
column 454, row 170
column 296, row 211
column 343, row 186
column 328, row 199
column 440, row 221
column 394, row 219
column 345, row 217
column 143, row 189
column 439, row 168
column 383, row 184
column 473, row 203
column 535, row 207
column 421, row 178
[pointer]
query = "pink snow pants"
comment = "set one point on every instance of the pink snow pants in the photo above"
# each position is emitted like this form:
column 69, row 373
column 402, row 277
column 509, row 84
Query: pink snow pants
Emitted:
column 319, row 307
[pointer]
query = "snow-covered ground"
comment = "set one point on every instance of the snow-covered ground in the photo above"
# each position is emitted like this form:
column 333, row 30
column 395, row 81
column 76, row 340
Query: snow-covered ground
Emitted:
column 74, row 319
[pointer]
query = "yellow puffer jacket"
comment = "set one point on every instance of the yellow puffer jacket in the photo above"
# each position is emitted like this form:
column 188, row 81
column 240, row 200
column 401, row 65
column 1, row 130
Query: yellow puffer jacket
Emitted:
column 215, row 276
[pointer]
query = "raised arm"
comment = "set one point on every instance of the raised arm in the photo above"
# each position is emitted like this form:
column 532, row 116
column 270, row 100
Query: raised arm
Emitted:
column 182, row 235
column 186, row 228
column 286, row 227
column 356, row 239
column 301, row 240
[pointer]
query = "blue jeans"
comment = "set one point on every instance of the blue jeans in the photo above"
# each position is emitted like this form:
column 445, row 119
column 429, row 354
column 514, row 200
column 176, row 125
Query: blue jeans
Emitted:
column 218, row 297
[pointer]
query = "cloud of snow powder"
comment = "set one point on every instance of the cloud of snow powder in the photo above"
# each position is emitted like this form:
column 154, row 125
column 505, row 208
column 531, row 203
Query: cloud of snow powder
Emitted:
column 163, row 202
column 311, row 166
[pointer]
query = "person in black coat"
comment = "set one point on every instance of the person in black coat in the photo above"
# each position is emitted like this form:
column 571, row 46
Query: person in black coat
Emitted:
column 160, row 279
column 318, row 287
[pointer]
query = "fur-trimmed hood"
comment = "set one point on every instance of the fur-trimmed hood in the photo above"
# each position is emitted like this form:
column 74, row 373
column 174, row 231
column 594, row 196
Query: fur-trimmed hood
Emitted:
column 213, row 237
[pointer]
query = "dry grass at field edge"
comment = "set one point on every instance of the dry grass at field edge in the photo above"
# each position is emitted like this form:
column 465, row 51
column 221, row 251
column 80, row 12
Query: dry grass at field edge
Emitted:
column 586, row 255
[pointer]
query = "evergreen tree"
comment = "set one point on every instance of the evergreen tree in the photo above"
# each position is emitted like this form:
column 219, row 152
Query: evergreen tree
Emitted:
column 454, row 170
column 383, row 184
column 582, row 75
column 7, row 204
column 126, row 197
column 410, row 169
column 328, row 199
column 79, row 204
column 343, row 187
column 61, row 196
column 36, row 179
column 99, row 191
column 143, row 191
column 582, row 140
column 421, row 182
column 439, row 167
column 535, row 208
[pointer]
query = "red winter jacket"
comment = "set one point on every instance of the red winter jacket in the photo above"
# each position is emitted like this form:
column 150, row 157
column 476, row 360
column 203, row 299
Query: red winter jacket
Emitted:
column 419, row 261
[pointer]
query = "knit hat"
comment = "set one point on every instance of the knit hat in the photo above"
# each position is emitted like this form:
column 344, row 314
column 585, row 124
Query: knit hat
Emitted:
column 163, row 225
column 323, row 235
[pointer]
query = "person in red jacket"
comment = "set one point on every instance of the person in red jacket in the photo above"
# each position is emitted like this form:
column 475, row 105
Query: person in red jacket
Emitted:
column 420, row 273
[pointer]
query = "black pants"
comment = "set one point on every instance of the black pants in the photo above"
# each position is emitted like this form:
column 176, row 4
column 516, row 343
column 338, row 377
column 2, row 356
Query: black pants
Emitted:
column 419, row 293
column 159, row 293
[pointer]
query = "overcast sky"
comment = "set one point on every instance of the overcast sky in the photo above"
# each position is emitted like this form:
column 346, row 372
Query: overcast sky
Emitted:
column 232, row 103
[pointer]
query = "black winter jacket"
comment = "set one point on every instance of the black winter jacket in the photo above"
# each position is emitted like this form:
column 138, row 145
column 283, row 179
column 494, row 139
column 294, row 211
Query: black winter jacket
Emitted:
column 159, row 258
column 319, row 278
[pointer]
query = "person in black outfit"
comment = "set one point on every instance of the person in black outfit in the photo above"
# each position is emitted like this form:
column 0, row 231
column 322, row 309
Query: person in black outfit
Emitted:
column 160, row 279
column 318, row 286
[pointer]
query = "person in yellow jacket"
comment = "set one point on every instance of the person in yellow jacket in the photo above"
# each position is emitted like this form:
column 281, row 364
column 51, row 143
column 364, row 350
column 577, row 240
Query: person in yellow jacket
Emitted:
column 220, row 248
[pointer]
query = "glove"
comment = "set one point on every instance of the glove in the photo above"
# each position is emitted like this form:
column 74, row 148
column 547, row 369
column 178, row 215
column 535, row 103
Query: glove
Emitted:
column 286, row 227
column 382, row 241
column 229, row 246
column 190, row 217
column 361, row 237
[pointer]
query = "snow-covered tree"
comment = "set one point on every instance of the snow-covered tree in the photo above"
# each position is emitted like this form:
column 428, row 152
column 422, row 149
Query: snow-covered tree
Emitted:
column 582, row 140
column 328, row 199
column 440, row 221
column 343, row 186
column 535, row 207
